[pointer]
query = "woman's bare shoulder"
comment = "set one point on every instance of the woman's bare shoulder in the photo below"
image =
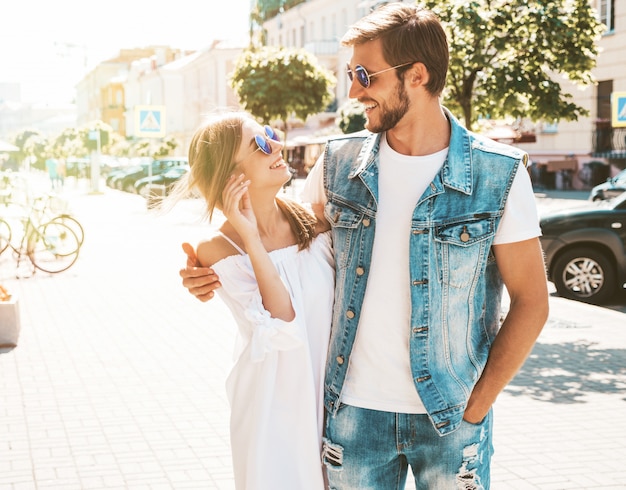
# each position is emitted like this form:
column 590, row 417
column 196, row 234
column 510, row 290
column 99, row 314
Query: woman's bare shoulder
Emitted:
column 213, row 249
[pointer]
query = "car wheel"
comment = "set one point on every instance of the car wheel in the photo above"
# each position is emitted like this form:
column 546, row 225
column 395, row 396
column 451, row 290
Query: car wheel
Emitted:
column 584, row 274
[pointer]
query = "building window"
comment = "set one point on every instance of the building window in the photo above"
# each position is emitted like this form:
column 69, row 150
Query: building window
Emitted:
column 603, row 101
column 607, row 14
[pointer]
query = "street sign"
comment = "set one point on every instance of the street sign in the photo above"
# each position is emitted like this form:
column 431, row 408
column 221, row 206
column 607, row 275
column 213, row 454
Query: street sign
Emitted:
column 149, row 121
column 618, row 109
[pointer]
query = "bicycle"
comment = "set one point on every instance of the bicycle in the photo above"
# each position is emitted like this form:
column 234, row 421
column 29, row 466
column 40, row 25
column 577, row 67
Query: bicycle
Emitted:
column 51, row 247
column 47, row 206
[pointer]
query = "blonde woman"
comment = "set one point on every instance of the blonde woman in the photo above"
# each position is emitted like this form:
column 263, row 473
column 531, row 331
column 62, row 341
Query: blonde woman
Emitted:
column 276, row 269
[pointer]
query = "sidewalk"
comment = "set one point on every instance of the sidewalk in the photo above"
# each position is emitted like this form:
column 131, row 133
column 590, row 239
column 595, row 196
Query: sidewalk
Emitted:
column 117, row 381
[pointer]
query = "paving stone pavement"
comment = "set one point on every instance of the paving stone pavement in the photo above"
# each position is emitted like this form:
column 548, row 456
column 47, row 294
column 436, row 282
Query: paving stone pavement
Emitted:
column 117, row 381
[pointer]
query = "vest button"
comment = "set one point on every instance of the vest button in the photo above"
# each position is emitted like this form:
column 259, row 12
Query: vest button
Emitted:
column 366, row 222
column 339, row 360
column 350, row 314
column 360, row 271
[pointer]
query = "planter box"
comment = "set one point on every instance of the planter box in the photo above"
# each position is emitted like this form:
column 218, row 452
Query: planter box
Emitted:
column 9, row 322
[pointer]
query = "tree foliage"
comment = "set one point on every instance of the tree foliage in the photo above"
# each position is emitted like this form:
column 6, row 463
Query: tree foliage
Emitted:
column 351, row 117
column 506, row 56
column 266, row 9
column 76, row 142
column 30, row 143
column 278, row 83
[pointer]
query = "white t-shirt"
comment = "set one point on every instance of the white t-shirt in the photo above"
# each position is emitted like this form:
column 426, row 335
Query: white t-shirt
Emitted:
column 379, row 376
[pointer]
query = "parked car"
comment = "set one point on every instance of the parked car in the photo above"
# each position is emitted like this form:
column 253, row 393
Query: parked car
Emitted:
column 585, row 250
column 127, row 181
column 113, row 177
column 613, row 187
column 163, row 182
column 129, row 165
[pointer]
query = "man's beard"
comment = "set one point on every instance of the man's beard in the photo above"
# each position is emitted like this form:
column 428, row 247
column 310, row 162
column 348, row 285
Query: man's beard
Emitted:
column 391, row 115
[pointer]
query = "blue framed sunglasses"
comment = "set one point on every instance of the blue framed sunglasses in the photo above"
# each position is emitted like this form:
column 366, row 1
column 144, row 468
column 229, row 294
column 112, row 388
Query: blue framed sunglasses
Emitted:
column 364, row 78
column 263, row 143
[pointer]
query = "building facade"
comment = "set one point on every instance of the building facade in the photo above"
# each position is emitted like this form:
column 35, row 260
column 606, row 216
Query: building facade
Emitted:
column 594, row 147
column 560, row 151
column 187, row 89
column 192, row 85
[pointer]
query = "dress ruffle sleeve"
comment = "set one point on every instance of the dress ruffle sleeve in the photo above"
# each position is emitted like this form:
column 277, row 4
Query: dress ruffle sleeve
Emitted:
column 269, row 334
column 259, row 333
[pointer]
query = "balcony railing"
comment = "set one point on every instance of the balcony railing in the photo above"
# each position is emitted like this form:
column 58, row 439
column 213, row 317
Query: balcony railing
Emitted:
column 609, row 142
column 322, row 48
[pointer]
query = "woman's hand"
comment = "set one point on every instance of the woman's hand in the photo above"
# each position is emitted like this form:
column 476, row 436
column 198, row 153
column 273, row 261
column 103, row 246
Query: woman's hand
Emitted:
column 199, row 281
column 238, row 208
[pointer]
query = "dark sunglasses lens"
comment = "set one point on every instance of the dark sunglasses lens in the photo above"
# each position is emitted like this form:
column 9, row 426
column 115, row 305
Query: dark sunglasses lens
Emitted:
column 263, row 144
column 349, row 72
column 271, row 133
column 362, row 76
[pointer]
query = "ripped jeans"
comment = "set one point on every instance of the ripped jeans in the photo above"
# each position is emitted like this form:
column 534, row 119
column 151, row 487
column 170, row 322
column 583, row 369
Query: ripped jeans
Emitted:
column 372, row 450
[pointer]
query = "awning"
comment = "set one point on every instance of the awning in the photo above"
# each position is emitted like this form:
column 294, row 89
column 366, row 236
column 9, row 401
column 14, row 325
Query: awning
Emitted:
column 507, row 134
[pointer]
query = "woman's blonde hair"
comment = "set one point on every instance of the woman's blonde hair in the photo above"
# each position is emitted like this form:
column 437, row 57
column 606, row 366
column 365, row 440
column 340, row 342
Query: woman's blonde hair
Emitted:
column 212, row 161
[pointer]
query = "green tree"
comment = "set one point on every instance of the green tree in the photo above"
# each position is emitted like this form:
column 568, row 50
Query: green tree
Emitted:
column 507, row 55
column 68, row 143
column 87, row 133
column 277, row 83
column 351, row 117
column 155, row 148
column 32, row 146
column 266, row 9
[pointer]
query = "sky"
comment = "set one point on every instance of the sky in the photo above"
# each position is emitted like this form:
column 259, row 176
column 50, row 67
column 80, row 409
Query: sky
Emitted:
column 48, row 46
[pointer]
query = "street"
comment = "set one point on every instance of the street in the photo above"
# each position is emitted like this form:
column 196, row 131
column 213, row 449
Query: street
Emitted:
column 117, row 381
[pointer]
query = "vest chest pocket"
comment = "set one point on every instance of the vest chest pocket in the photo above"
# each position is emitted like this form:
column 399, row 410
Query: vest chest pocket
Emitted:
column 345, row 223
column 462, row 250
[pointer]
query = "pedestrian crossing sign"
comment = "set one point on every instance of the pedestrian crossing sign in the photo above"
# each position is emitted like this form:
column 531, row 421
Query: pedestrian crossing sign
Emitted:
column 149, row 121
column 618, row 103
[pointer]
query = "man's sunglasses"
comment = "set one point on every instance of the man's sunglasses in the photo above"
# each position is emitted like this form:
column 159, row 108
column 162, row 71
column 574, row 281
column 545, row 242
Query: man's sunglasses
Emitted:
column 364, row 78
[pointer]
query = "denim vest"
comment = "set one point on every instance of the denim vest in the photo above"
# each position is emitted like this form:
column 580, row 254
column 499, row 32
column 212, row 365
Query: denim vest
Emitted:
column 456, row 289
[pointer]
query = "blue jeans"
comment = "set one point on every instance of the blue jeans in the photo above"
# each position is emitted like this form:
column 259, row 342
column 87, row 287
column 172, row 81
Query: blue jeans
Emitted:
column 372, row 450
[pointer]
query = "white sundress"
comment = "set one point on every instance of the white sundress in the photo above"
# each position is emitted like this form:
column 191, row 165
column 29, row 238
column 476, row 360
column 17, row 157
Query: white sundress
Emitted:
column 276, row 386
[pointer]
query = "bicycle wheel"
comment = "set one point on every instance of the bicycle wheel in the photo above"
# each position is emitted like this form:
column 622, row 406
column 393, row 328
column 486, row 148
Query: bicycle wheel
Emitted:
column 54, row 247
column 5, row 235
column 72, row 223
